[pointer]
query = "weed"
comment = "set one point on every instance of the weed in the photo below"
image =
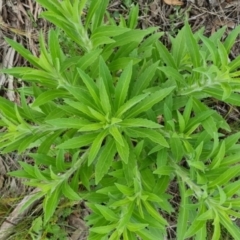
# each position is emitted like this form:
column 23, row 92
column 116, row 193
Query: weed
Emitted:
column 123, row 120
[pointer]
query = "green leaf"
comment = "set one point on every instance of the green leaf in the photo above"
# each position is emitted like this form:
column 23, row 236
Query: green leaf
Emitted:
column 82, row 108
column 108, row 31
column 231, row 38
column 91, row 127
column 69, row 193
column 106, row 76
column 150, row 101
column 229, row 225
column 99, row 14
column 130, row 103
column 78, row 142
column 91, row 86
column 47, row 143
column 225, row 177
column 139, row 122
column 153, row 135
column 183, row 216
column 50, row 204
column 212, row 49
column 194, row 228
column 144, row 79
column 121, row 63
column 174, row 74
column 94, row 6
column 165, row 55
column 123, row 150
column 132, row 36
column 176, row 148
column 116, row 134
column 223, row 54
column 105, row 98
column 192, row 46
column 24, row 52
column 121, row 90
column 107, row 213
column 105, row 160
column 133, row 17
column 95, row 147
column 154, row 213
column 133, row 227
column 65, row 123
column 216, row 162
column 49, row 95
column 83, row 62
column 103, row 229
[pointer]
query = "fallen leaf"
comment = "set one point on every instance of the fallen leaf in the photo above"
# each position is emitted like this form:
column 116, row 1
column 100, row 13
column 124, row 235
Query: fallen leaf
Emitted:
column 173, row 2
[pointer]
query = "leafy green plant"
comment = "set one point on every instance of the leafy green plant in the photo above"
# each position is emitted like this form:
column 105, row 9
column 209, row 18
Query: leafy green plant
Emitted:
column 122, row 120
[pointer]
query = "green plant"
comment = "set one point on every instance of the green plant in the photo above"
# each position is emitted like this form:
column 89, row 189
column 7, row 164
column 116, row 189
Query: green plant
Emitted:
column 122, row 120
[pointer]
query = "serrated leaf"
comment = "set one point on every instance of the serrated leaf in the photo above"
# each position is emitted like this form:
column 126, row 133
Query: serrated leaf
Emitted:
column 225, row 177
column 116, row 134
column 139, row 122
column 123, row 150
column 65, row 123
column 121, row 90
column 95, row 147
column 153, row 135
column 49, row 95
column 165, row 55
column 69, row 193
column 107, row 213
column 183, row 216
column 130, row 103
column 106, row 76
column 103, row 229
column 229, row 225
column 104, row 98
column 154, row 213
column 50, row 204
column 231, row 38
column 91, row 86
column 150, row 101
column 78, row 142
column 144, row 79
column 105, row 160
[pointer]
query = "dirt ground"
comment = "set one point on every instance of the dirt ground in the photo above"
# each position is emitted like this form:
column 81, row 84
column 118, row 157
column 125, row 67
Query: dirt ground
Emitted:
column 19, row 20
